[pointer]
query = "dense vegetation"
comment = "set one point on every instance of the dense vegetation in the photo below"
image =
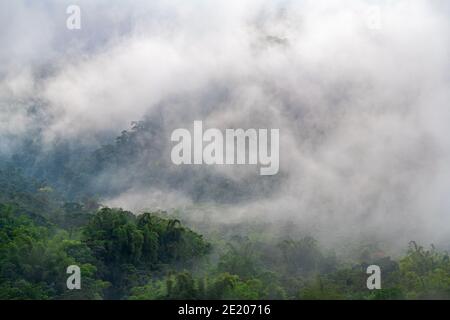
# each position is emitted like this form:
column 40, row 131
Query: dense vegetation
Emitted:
column 154, row 256
column 50, row 218
column 115, row 251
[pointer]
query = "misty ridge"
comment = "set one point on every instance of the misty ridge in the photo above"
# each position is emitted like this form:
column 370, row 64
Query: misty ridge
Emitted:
column 363, row 112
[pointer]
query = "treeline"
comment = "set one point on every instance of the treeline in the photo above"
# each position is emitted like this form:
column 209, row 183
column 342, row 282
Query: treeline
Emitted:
column 155, row 256
column 139, row 156
column 115, row 251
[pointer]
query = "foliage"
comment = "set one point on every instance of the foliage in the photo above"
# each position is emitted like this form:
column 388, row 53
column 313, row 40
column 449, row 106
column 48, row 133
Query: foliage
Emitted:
column 156, row 256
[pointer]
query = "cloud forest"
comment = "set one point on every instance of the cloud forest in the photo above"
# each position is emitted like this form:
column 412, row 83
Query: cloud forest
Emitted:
column 320, row 170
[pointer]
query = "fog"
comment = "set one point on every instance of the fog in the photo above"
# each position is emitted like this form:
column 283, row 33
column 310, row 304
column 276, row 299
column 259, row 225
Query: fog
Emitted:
column 360, row 91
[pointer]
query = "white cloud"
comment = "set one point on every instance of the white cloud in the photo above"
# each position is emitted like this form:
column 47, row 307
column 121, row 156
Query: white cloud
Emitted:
column 362, row 112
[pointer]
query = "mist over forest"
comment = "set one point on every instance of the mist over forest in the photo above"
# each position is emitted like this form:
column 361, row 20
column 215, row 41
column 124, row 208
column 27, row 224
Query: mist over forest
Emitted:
column 359, row 90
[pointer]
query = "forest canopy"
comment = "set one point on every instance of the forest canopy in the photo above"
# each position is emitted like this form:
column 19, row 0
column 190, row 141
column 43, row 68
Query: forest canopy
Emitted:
column 152, row 255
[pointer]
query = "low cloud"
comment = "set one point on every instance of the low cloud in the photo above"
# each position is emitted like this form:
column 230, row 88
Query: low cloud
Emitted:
column 362, row 110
